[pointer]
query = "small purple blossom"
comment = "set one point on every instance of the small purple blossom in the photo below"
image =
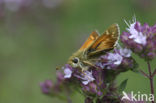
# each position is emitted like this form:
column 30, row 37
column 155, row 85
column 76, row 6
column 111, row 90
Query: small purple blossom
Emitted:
column 60, row 77
column 46, row 86
column 67, row 71
column 86, row 77
column 125, row 52
column 115, row 58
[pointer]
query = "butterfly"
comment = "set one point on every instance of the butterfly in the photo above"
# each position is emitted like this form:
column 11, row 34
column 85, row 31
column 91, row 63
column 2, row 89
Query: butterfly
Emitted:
column 94, row 47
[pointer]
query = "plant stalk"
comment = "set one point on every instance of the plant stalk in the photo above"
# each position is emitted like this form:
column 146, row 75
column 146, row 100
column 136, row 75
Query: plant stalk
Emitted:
column 150, row 78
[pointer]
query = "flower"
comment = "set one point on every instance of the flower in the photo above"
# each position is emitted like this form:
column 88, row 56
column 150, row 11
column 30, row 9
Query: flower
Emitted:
column 125, row 52
column 46, row 86
column 60, row 76
column 113, row 60
column 136, row 35
column 54, row 88
column 67, row 71
column 86, row 77
column 94, row 82
column 141, row 39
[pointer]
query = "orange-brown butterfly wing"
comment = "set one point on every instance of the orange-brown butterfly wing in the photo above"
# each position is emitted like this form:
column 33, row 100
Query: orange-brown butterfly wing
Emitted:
column 106, row 41
column 91, row 39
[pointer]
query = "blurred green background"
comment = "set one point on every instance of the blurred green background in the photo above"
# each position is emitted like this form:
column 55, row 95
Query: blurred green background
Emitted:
column 40, row 35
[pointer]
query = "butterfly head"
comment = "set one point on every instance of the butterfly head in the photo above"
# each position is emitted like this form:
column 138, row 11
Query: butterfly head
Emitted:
column 76, row 60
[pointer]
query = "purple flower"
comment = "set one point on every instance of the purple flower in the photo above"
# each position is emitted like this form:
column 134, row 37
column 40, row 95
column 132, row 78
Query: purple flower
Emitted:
column 109, row 61
column 114, row 60
column 140, row 39
column 67, row 71
column 60, row 77
column 86, row 77
column 93, row 89
column 54, row 88
column 135, row 34
column 125, row 52
column 46, row 86
column 94, row 82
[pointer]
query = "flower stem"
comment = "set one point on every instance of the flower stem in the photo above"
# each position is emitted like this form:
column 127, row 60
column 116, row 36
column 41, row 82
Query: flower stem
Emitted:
column 144, row 74
column 150, row 78
column 154, row 73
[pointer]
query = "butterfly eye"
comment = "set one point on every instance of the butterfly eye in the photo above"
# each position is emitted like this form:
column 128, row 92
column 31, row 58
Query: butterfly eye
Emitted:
column 75, row 60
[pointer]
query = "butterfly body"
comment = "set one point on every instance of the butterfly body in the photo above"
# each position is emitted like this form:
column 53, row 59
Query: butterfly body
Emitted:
column 94, row 47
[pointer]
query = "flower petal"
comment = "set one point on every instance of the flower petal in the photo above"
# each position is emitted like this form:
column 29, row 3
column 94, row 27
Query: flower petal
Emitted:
column 67, row 73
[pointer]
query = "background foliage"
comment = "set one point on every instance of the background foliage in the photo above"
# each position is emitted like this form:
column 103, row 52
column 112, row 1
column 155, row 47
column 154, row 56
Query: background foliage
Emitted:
column 37, row 38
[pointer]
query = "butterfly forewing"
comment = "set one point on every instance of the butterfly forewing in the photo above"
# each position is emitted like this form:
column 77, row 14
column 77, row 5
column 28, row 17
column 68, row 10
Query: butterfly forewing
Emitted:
column 106, row 41
column 91, row 39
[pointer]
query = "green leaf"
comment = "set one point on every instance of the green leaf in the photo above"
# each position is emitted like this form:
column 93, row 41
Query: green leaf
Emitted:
column 123, row 85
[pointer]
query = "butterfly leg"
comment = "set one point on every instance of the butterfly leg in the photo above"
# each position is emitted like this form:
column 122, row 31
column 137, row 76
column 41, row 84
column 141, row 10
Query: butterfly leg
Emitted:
column 90, row 64
column 84, row 69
